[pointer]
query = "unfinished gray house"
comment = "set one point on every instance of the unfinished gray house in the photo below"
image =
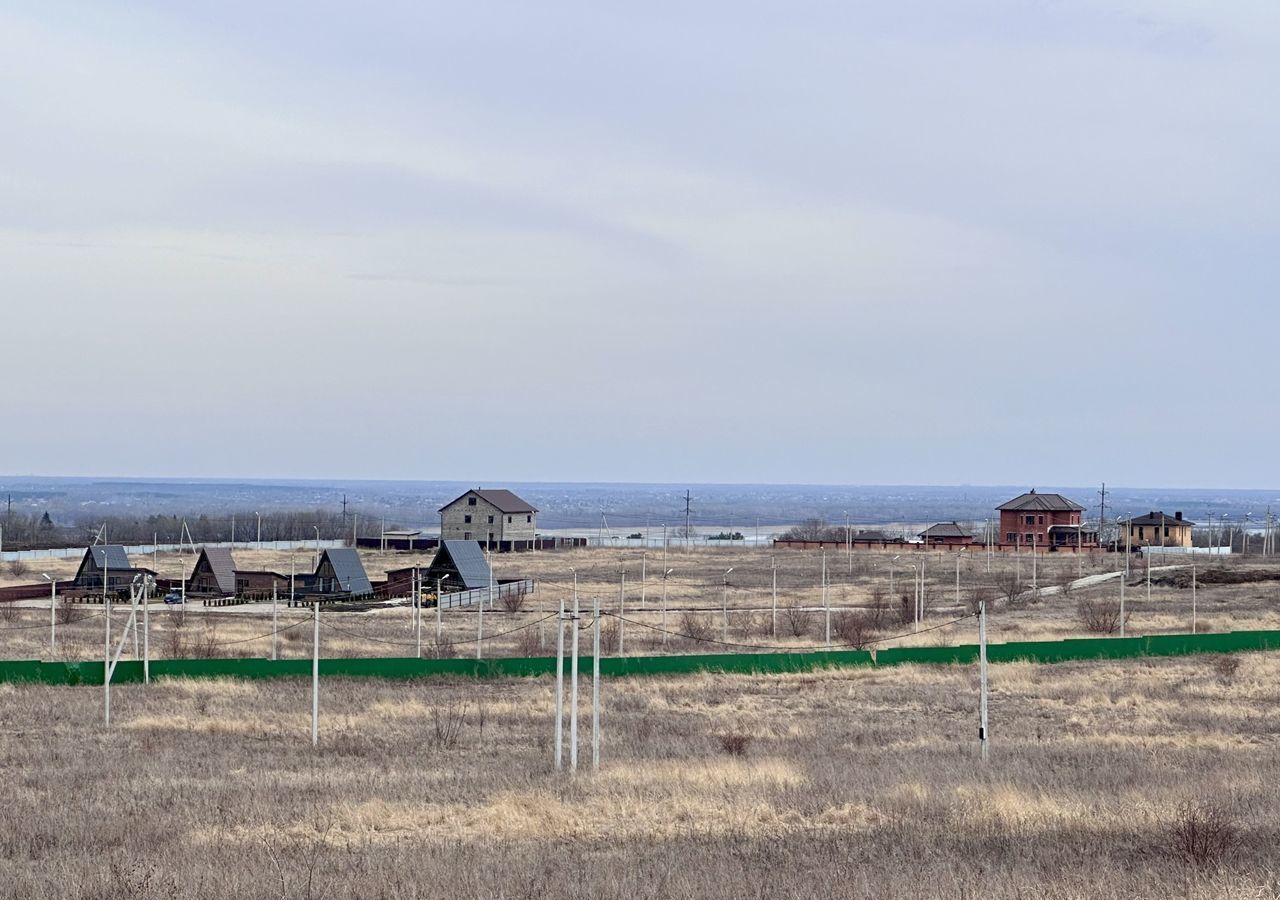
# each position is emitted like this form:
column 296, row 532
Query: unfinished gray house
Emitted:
column 498, row 519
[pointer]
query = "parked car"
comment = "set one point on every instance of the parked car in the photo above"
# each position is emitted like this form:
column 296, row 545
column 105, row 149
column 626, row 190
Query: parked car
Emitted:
column 173, row 597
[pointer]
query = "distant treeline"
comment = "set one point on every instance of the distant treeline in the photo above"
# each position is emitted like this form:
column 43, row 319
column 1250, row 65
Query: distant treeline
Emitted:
column 31, row 532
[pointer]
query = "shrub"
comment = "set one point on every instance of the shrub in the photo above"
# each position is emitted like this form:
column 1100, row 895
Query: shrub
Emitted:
column 17, row 568
column 735, row 743
column 1203, row 834
column 1226, row 666
column 879, row 606
column 441, row 648
column 696, row 627
column 446, row 725
column 799, row 620
column 1100, row 616
column 513, row 602
column 853, row 627
column 528, row 643
column 609, row 634
column 8, row 610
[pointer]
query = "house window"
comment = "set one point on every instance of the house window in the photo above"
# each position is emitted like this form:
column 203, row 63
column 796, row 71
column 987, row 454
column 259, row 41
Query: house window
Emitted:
column 1142, row 532
column 491, row 520
column 1010, row 537
column 1030, row 538
column 508, row 520
column 466, row 520
column 466, row 535
column 1041, row 522
column 471, row 501
column 491, row 537
column 528, row 518
column 1031, row 520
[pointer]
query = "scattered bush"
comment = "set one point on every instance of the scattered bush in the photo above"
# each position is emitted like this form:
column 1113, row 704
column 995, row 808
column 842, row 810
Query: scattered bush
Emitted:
column 799, row 620
column 447, row 725
column 441, row 648
column 17, row 568
column 879, row 606
column 610, row 632
column 69, row 613
column 696, row 627
column 735, row 743
column 1225, row 667
column 513, row 602
column 1100, row 616
column 1203, row 834
column 529, row 643
column 853, row 627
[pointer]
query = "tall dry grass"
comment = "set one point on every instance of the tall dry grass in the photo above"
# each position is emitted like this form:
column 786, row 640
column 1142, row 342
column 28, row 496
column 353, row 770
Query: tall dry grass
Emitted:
column 851, row 784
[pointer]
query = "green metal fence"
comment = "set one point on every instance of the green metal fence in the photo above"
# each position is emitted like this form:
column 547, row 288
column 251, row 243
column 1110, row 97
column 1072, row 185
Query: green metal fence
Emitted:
column 90, row 673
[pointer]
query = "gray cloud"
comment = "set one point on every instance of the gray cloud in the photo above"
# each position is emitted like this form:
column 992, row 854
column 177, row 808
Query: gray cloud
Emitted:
column 978, row 242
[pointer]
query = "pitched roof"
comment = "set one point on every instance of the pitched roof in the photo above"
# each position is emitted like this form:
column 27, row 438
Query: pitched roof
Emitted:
column 1159, row 518
column 1041, row 502
column 348, row 569
column 110, row 556
column 876, row 536
column 464, row 562
column 221, row 565
column 945, row 529
column 504, row 500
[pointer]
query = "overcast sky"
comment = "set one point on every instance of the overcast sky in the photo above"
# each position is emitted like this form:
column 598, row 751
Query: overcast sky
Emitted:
column 945, row 242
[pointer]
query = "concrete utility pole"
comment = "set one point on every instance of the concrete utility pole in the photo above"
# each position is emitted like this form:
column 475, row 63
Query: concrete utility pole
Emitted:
column 665, row 576
column 315, row 674
column 848, row 542
column 1123, row 578
column 724, row 603
column 773, row 628
column 559, row 751
column 622, row 607
column 1193, row 594
column 826, row 607
column 595, row 691
column 53, row 615
column 573, row 691
column 983, row 735
column 275, row 621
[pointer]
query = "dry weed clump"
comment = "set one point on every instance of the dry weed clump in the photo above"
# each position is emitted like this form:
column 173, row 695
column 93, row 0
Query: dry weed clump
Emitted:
column 855, row 628
column 1225, row 667
column 696, row 627
column 735, row 743
column 1099, row 615
column 799, row 620
column 1204, row 834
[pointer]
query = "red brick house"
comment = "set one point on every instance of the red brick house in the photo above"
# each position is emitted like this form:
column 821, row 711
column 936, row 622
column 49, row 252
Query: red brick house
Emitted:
column 1044, row 521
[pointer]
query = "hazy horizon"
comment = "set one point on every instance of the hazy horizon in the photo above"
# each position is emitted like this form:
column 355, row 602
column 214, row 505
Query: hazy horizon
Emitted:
column 984, row 242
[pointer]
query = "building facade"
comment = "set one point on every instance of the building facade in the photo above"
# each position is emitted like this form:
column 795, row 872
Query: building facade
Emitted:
column 1044, row 521
column 1159, row 529
column 498, row 519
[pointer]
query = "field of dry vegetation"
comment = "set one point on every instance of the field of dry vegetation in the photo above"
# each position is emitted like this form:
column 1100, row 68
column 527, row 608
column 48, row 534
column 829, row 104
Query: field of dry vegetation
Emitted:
column 1232, row 594
column 1149, row 778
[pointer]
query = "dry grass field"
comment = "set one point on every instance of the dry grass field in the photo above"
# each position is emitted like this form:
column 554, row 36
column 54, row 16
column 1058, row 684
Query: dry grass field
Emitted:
column 861, row 783
column 695, row 594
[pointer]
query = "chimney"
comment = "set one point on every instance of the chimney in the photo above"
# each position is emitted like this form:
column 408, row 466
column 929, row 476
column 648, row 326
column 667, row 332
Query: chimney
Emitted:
column 1178, row 515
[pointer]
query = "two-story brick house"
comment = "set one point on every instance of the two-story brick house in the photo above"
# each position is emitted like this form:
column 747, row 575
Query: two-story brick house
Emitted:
column 496, row 518
column 1044, row 521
